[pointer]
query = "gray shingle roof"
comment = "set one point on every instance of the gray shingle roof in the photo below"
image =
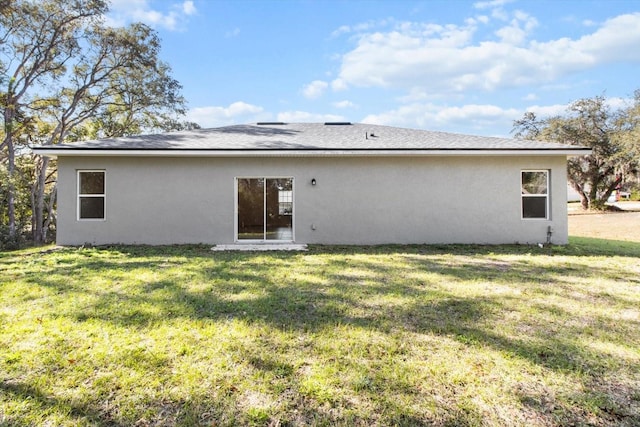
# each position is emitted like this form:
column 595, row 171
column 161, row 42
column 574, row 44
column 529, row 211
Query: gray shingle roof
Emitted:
column 310, row 137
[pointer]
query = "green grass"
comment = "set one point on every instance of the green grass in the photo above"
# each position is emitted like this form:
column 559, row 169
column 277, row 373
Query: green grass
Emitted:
column 418, row 335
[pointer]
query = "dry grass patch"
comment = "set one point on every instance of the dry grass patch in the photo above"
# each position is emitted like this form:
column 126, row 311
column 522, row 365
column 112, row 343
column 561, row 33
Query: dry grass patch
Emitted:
column 624, row 226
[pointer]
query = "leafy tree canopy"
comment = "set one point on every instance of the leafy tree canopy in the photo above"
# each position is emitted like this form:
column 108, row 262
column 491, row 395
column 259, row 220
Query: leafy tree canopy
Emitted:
column 65, row 75
column 612, row 136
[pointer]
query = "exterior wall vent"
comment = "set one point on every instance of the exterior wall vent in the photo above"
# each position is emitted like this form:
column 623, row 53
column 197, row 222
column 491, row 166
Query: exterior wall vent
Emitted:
column 270, row 123
column 337, row 123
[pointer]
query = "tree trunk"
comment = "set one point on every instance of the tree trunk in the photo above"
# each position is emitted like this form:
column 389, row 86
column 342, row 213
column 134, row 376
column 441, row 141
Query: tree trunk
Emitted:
column 584, row 202
column 11, row 190
column 41, row 181
column 594, row 201
column 50, row 212
column 32, row 199
column 11, row 167
column 584, row 199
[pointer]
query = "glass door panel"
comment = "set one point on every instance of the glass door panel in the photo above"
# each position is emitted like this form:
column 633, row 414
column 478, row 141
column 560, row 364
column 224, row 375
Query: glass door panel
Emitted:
column 279, row 209
column 250, row 209
column 265, row 209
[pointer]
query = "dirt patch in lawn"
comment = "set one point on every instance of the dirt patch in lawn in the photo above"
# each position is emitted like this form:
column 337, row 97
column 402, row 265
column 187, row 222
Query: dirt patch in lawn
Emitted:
column 623, row 225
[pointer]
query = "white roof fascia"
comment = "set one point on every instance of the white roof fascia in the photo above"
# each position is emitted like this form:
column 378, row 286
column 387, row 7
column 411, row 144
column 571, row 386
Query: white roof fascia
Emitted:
column 307, row 153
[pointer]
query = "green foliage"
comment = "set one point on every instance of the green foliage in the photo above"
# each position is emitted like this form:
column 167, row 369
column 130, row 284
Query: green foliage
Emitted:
column 590, row 122
column 66, row 76
column 9, row 242
column 629, row 125
column 21, row 183
column 390, row 335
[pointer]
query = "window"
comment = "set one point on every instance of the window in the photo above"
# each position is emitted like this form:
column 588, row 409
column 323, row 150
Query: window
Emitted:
column 285, row 202
column 535, row 194
column 91, row 195
column 264, row 209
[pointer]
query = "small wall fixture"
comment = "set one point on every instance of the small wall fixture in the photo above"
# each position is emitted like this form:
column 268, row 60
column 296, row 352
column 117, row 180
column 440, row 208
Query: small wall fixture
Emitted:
column 313, row 181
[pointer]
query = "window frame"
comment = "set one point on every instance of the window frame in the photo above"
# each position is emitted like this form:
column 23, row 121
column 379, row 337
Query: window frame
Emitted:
column 547, row 213
column 80, row 196
column 285, row 202
column 236, row 224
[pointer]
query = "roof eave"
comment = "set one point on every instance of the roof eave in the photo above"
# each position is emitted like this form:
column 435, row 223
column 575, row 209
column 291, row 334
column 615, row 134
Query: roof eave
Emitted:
column 56, row 152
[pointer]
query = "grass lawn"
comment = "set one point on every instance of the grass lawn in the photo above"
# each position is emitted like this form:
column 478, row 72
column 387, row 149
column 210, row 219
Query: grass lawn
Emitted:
column 419, row 335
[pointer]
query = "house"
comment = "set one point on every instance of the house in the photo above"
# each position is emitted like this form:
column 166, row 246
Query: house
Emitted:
column 311, row 183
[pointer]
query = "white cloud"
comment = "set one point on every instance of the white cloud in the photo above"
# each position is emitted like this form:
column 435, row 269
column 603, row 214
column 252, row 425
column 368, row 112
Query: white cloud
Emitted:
column 233, row 33
column 496, row 6
column 530, row 97
column 172, row 18
column 315, row 89
column 237, row 112
column 500, row 14
column 516, row 32
column 617, row 39
column 344, row 29
column 432, row 116
column 474, row 113
column 543, row 111
column 306, row 117
column 338, row 85
column 361, row 27
column 619, row 103
column 344, row 104
column 189, row 8
column 446, row 59
column 242, row 112
column 491, row 4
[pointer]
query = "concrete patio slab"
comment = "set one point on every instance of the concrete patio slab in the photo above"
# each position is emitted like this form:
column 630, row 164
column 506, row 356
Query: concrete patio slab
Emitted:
column 260, row 247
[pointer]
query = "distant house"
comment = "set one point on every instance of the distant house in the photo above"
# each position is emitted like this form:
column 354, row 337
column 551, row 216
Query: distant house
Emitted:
column 313, row 183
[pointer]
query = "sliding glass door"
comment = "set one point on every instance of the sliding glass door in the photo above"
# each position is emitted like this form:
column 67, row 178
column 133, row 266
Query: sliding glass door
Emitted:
column 264, row 209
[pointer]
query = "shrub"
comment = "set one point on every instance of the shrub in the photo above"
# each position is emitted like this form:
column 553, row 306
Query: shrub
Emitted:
column 8, row 243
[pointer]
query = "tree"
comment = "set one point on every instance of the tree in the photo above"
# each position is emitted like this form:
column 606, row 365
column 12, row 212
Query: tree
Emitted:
column 37, row 41
column 629, row 127
column 587, row 122
column 76, row 77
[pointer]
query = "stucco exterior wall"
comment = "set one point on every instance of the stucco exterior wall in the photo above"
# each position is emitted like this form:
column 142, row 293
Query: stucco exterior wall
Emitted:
column 356, row 200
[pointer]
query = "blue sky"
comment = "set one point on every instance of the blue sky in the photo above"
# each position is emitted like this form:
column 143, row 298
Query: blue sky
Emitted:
column 457, row 66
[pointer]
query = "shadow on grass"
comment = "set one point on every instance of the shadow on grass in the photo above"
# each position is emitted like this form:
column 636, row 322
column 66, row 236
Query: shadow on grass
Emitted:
column 36, row 398
column 382, row 289
column 284, row 291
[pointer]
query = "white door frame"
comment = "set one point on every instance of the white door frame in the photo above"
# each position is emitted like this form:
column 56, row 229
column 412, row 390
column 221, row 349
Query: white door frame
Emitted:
column 264, row 210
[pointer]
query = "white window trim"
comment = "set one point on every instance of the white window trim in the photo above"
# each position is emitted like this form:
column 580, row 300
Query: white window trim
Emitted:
column 288, row 195
column 546, row 196
column 79, row 196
